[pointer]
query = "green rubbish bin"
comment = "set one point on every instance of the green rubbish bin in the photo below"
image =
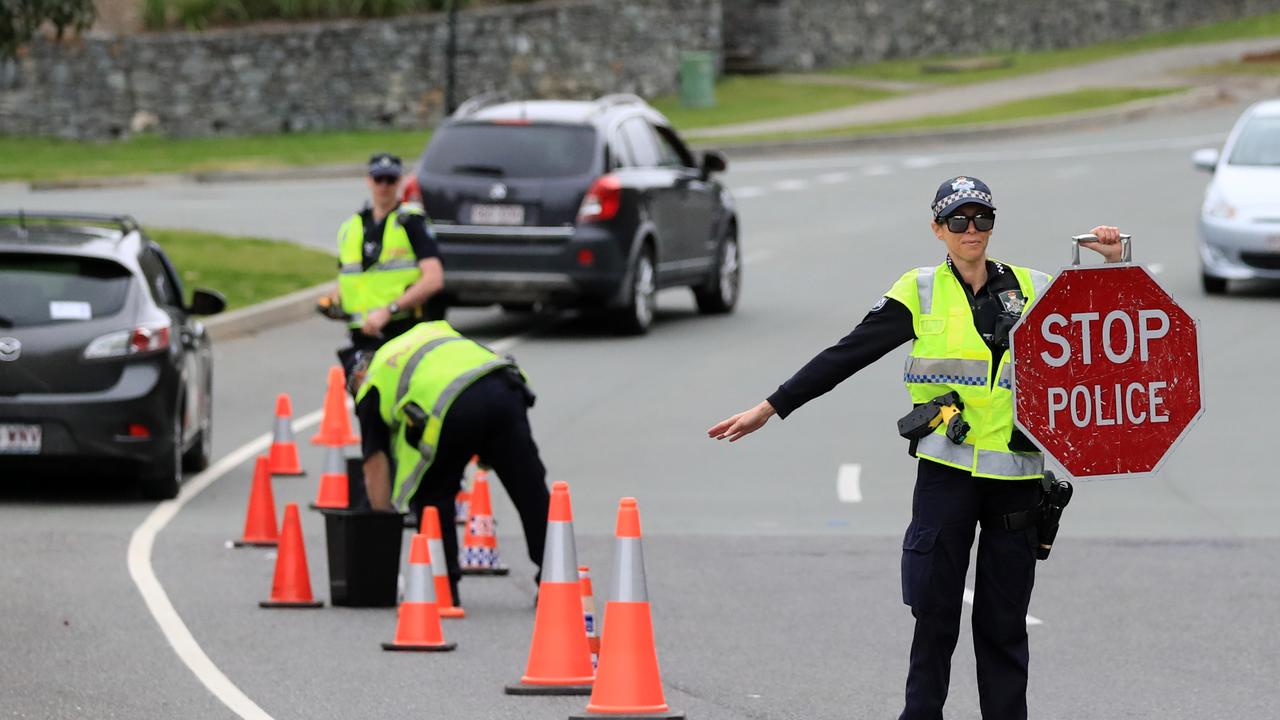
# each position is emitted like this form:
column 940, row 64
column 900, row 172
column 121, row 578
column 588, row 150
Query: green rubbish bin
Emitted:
column 697, row 79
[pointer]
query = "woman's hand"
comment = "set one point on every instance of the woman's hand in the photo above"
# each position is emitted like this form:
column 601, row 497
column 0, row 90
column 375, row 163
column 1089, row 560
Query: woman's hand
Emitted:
column 1108, row 243
column 744, row 423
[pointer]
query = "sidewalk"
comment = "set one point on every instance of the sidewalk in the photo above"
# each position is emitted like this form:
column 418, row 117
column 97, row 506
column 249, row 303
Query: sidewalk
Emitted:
column 1157, row 68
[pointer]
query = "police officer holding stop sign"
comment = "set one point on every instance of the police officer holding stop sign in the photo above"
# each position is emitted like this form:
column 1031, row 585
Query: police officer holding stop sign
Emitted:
column 975, row 468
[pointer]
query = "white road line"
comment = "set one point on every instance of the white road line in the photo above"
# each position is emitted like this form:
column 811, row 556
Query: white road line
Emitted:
column 877, row 170
column 848, row 479
column 916, row 163
column 144, row 577
column 746, row 192
column 757, row 256
column 790, row 185
column 833, row 178
column 1031, row 620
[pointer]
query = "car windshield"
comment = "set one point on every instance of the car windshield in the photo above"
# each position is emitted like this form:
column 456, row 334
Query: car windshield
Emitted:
column 38, row 289
column 1258, row 143
column 511, row 151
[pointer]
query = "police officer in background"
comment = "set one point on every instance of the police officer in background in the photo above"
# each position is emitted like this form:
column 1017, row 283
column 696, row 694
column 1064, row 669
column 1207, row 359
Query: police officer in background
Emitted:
column 957, row 315
column 390, row 273
column 428, row 401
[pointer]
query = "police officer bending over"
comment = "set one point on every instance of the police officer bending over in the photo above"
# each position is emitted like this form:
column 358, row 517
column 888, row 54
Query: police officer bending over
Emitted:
column 957, row 316
column 428, row 401
column 390, row 273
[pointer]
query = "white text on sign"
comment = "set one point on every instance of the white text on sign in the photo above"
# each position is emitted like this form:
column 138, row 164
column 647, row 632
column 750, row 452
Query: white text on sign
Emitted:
column 1133, row 403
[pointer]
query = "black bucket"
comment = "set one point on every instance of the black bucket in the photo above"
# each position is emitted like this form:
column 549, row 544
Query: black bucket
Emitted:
column 364, row 556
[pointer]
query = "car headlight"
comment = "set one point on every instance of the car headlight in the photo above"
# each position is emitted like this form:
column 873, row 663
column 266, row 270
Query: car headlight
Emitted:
column 1222, row 209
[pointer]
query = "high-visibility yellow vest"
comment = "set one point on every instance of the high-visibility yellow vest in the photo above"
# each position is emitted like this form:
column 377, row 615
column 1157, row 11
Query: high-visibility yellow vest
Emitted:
column 396, row 269
column 429, row 365
column 949, row 354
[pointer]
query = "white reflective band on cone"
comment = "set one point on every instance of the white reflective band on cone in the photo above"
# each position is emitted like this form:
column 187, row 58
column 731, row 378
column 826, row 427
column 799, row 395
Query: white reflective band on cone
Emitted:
column 282, row 433
column 628, row 572
column 419, row 586
column 335, row 461
column 438, row 567
column 991, row 462
column 560, row 556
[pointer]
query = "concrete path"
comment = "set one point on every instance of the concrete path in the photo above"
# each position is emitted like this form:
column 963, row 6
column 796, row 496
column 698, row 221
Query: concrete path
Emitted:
column 1158, row 68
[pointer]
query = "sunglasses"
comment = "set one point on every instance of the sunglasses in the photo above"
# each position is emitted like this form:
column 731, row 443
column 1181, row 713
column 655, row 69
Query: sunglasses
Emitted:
column 384, row 180
column 960, row 223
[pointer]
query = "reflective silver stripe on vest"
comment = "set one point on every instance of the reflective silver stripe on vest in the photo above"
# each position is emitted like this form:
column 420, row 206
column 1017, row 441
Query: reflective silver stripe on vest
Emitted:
column 992, row 462
column 924, row 288
column 394, row 265
column 628, row 572
column 350, row 268
column 439, row 568
column 460, row 383
column 419, row 587
column 1039, row 281
column 939, row 447
column 946, row 371
column 406, row 376
column 401, row 501
column 560, row 556
column 1006, row 377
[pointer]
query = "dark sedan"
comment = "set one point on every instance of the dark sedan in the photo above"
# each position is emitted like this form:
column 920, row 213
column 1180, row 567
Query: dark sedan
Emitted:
column 102, row 362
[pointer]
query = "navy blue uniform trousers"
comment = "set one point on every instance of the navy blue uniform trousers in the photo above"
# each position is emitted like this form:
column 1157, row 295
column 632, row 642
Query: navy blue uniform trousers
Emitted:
column 945, row 511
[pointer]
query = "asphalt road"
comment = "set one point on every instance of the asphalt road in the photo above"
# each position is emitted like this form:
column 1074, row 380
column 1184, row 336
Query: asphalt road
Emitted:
column 772, row 597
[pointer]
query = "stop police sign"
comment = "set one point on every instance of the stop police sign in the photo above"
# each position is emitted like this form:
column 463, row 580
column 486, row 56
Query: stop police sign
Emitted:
column 1106, row 372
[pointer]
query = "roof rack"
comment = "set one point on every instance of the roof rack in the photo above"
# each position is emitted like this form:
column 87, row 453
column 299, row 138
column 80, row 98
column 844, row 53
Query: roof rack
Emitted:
column 124, row 223
column 476, row 103
column 607, row 101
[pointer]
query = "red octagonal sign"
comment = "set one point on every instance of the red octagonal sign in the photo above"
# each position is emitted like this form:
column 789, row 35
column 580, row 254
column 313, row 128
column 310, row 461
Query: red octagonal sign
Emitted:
column 1106, row 372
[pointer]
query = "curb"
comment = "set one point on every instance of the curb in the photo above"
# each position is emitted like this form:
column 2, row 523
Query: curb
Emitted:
column 253, row 319
column 1193, row 99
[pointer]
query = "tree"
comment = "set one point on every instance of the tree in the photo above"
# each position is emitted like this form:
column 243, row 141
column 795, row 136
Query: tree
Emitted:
column 20, row 19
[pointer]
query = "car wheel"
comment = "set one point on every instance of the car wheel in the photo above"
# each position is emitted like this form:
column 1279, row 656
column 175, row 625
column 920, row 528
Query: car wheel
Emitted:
column 1213, row 285
column 161, row 482
column 636, row 317
column 197, row 458
column 720, row 294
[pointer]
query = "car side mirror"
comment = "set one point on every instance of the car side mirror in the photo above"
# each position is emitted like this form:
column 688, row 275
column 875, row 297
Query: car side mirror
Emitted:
column 206, row 302
column 1205, row 159
column 713, row 162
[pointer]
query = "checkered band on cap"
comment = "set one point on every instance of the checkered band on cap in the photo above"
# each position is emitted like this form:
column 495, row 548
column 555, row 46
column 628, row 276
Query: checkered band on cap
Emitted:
column 954, row 197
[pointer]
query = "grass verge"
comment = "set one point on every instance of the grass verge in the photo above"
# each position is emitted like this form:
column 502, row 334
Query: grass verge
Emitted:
column 244, row 269
column 1024, row 63
column 747, row 98
column 1255, row 67
column 1048, row 105
column 27, row 158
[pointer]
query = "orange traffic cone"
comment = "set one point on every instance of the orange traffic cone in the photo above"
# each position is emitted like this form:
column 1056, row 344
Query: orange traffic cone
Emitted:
column 335, row 426
column 418, row 619
column 430, row 526
column 559, row 656
column 284, row 451
column 589, row 613
column 260, row 514
column 479, row 545
column 628, row 683
column 333, row 491
column 291, row 586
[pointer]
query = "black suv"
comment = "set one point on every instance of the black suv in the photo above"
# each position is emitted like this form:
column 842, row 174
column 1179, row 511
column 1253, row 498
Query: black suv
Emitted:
column 100, row 357
column 592, row 204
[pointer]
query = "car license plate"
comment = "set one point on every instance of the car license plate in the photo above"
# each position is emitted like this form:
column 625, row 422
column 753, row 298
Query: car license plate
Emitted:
column 19, row 439
column 497, row 214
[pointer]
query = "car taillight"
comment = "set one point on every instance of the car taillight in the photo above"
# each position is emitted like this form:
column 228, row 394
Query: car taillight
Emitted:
column 602, row 201
column 142, row 339
column 410, row 192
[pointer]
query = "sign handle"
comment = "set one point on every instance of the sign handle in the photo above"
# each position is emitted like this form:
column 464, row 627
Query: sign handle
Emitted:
column 1126, row 254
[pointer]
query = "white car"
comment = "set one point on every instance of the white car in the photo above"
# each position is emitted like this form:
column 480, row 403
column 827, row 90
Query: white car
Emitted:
column 1240, row 219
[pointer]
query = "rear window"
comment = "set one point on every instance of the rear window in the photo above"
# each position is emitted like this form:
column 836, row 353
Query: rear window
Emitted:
column 511, row 151
column 38, row 289
column 1258, row 143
